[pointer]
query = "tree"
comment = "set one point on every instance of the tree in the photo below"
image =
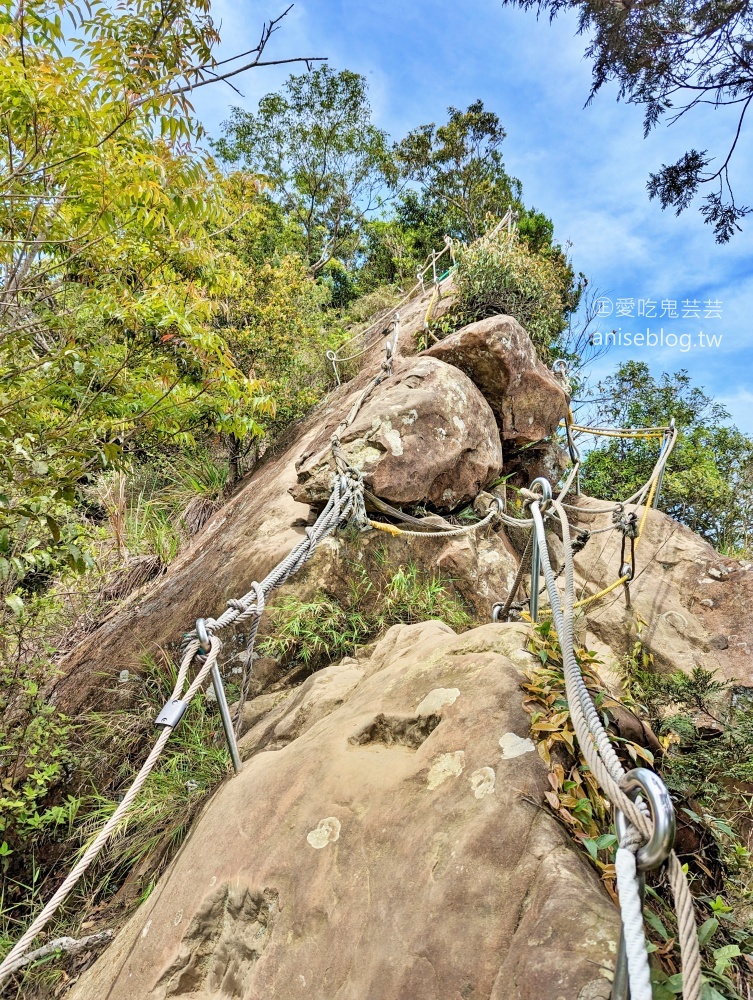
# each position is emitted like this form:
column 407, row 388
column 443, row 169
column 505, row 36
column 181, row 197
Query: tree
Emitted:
column 503, row 275
column 273, row 318
column 709, row 479
column 672, row 57
column 324, row 158
column 460, row 170
column 108, row 273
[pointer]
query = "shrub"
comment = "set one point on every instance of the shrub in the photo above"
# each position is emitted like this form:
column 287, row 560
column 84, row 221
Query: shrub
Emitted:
column 502, row 275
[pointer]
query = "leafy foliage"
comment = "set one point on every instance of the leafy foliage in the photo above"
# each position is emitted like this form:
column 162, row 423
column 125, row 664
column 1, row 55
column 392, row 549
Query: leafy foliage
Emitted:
column 575, row 796
column 705, row 775
column 502, row 274
column 576, row 800
column 461, row 171
column 323, row 630
column 278, row 306
column 325, row 159
column 710, row 474
column 107, row 268
column 34, row 755
column 104, row 753
column 672, row 57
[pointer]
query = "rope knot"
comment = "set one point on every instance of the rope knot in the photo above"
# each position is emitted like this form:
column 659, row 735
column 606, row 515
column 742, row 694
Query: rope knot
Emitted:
column 581, row 540
column 627, row 523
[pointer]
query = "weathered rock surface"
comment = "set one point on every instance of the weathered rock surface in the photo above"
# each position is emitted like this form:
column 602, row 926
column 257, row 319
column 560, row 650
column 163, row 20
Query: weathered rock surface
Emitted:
column 498, row 356
column 696, row 604
column 545, row 459
column 480, row 565
column 391, row 849
column 426, row 435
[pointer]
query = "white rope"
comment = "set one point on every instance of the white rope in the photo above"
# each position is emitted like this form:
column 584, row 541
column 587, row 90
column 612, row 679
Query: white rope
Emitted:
column 599, row 752
column 67, row 945
column 332, row 356
column 639, row 497
column 341, row 502
column 631, row 911
column 466, row 529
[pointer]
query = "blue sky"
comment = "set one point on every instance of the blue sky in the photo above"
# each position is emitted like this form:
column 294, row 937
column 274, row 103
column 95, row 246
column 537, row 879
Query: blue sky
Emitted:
column 584, row 167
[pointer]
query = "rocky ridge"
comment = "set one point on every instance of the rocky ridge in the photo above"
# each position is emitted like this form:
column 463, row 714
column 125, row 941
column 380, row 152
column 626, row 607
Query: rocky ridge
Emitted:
column 386, row 835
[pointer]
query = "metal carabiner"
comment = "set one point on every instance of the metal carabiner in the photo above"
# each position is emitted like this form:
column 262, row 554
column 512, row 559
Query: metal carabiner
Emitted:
column 546, row 491
column 560, row 367
column 546, row 496
column 642, row 781
column 331, row 356
column 202, row 635
column 648, row 857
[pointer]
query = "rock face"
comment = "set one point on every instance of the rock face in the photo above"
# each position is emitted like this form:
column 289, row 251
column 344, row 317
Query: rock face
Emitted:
column 498, row 356
column 481, row 565
column 694, row 602
column 426, row 435
column 391, row 849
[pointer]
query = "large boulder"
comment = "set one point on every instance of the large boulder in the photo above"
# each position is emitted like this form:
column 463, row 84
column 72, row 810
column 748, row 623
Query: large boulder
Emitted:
column 425, row 435
column 499, row 357
column 386, row 839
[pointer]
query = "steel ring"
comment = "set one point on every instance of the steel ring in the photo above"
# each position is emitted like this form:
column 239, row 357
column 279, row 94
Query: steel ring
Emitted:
column 496, row 608
column 203, row 636
column 560, row 367
column 657, row 850
column 626, row 570
column 546, row 491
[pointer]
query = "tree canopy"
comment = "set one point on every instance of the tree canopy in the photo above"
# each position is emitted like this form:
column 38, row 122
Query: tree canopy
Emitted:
column 673, row 58
column 709, row 479
column 460, row 170
column 324, row 158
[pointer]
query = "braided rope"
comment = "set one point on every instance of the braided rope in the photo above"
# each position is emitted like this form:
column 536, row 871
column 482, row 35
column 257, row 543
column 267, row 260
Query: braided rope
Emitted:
column 631, row 910
column 419, row 286
column 599, row 752
column 467, row 529
column 341, row 503
column 11, row 959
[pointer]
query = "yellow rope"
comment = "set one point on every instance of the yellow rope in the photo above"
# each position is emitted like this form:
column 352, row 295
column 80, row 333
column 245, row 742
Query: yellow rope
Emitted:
column 429, row 311
column 390, row 529
column 658, row 432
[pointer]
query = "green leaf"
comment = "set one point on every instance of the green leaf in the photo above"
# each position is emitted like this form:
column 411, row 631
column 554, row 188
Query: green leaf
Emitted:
column 709, row 993
column 674, row 984
column 590, row 846
column 707, row 930
column 653, row 921
column 723, row 957
column 605, row 841
column 15, row 603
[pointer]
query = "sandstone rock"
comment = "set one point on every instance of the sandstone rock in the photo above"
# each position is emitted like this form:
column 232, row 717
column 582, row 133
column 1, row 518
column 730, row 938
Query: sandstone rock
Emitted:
column 426, row 435
column 391, row 850
column 479, row 567
column 546, row 459
column 499, row 357
column 682, row 628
